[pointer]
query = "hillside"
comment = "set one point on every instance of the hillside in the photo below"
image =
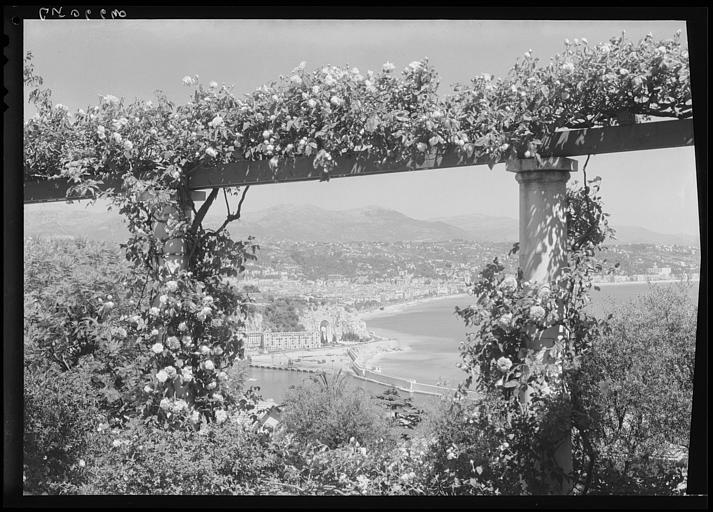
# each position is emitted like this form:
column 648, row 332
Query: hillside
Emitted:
column 370, row 224
column 310, row 223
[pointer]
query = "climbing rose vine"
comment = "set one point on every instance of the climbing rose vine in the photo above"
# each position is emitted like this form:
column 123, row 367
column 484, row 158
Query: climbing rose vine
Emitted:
column 385, row 116
column 503, row 356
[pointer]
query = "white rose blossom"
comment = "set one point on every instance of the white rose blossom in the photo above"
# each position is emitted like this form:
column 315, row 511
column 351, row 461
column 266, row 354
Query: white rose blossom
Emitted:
column 161, row 376
column 216, row 122
column 173, row 342
column 509, row 283
column 110, row 99
column 537, row 312
column 504, row 364
column 221, row 416
column 180, row 405
column 157, row 348
column 208, row 365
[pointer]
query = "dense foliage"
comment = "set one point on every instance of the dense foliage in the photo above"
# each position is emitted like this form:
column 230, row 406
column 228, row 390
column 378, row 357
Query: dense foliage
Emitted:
column 83, row 369
column 549, row 392
column 283, row 314
column 636, row 387
column 332, row 411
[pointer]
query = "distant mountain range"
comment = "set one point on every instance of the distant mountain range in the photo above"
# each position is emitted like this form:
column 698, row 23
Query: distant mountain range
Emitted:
column 302, row 223
column 371, row 224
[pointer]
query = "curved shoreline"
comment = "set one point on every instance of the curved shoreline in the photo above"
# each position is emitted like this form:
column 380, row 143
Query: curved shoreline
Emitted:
column 392, row 309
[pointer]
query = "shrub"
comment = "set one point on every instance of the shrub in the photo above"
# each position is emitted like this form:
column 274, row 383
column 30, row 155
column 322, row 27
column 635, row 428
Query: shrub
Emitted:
column 78, row 295
column 218, row 459
column 74, row 293
column 636, row 385
column 382, row 468
column 60, row 410
column 331, row 410
column 483, row 447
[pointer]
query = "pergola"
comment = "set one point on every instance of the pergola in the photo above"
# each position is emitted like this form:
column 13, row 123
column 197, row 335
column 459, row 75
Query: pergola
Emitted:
column 542, row 196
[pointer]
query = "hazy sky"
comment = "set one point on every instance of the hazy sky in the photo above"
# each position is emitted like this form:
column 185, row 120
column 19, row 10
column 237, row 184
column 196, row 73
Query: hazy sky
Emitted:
column 81, row 60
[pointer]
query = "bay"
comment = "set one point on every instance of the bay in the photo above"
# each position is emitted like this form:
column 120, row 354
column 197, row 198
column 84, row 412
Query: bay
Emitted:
column 429, row 333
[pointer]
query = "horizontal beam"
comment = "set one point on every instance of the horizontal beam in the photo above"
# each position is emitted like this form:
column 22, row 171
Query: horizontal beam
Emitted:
column 610, row 139
column 620, row 139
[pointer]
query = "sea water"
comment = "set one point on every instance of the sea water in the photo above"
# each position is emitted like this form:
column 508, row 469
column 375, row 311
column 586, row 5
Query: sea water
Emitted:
column 429, row 334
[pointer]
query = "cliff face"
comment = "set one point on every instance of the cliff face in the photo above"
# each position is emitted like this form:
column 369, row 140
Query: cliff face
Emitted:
column 253, row 323
column 334, row 320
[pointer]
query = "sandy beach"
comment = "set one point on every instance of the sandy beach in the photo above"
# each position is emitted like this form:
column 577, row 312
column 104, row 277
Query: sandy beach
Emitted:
column 331, row 359
column 397, row 308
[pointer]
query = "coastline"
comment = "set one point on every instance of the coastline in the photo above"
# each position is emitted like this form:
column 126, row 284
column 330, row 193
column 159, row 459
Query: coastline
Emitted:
column 330, row 359
column 335, row 358
column 648, row 281
column 392, row 309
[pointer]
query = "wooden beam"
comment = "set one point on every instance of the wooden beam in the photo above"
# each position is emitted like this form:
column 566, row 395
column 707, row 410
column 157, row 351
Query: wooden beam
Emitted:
column 620, row 139
column 47, row 191
column 611, row 139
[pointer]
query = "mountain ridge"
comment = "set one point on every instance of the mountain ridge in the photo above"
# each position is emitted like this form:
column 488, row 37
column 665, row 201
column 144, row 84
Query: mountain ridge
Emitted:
column 308, row 222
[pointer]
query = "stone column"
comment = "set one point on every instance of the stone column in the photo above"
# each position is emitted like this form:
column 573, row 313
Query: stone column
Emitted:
column 543, row 229
column 175, row 247
column 543, row 250
column 174, row 251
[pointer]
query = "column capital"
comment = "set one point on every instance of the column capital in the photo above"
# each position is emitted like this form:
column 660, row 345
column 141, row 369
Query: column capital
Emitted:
column 527, row 165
